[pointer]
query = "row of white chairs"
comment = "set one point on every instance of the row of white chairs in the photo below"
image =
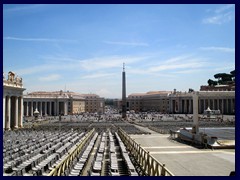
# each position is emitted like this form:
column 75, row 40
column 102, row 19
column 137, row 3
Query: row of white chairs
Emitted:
column 43, row 151
column 80, row 162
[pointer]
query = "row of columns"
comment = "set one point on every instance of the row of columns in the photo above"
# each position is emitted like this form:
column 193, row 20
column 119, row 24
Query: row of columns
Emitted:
column 226, row 105
column 12, row 112
column 50, row 108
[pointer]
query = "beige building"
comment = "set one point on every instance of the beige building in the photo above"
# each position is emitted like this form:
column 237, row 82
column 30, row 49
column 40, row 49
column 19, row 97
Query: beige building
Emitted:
column 77, row 103
column 182, row 102
column 53, row 103
column 60, row 102
column 150, row 101
column 12, row 101
column 94, row 103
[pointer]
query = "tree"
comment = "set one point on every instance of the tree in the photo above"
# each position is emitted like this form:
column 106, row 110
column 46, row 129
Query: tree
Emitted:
column 233, row 73
column 190, row 90
column 212, row 83
column 223, row 78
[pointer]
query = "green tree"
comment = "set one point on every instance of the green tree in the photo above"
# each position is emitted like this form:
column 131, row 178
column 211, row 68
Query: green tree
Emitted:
column 223, row 78
column 233, row 75
column 212, row 83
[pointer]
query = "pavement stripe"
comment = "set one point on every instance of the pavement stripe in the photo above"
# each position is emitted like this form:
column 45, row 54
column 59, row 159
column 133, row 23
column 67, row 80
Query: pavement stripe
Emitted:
column 185, row 152
column 164, row 147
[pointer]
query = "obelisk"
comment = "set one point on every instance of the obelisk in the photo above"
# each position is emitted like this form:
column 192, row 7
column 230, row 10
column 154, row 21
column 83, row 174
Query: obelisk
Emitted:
column 124, row 108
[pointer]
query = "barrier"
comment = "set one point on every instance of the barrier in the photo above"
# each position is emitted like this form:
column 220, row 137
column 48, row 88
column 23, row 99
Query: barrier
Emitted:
column 65, row 163
column 149, row 165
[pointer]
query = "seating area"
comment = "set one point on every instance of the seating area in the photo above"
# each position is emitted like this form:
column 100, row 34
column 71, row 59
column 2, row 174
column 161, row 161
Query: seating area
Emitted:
column 36, row 152
column 111, row 158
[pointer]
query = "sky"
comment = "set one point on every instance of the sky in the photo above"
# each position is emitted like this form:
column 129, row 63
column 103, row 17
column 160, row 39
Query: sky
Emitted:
column 82, row 48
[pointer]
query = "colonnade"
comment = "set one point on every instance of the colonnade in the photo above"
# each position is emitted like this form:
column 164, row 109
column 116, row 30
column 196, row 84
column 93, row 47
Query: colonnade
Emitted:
column 12, row 112
column 185, row 105
column 45, row 107
column 225, row 105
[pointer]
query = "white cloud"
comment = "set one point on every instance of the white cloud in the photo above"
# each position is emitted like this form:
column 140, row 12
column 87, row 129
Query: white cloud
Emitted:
column 189, row 71
column 126, row 43
column 93, row 64
column 219, row 19
column 181, row 62
column 221, row 15
column 224, row 8
column 226, row 68
column 39, row 39
column 51, row 77
column 105, row 93
column 97, row 75
column 222, row 49
column 23, row 7
column 110, row 62
column 175, row 66
column 46, row 67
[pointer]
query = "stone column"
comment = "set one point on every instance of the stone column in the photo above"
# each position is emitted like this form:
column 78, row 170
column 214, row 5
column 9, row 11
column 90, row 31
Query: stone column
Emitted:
column 180, row 106
column 4, row 104
column 37, row 106
column 8, row 113
column 40, row 109
column 16, row 112
column 218, row 106
column 54, row 108
column 20, row 112
column 65, row 108
column 45, row 107
column 31, row 114
column 27, row 110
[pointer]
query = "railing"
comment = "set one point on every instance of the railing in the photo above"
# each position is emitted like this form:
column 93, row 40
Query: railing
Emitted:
column 149, row 165
column 64, row 164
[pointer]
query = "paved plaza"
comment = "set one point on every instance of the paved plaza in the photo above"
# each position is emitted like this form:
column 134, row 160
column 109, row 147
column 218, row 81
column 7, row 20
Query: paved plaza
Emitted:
column 186, row 160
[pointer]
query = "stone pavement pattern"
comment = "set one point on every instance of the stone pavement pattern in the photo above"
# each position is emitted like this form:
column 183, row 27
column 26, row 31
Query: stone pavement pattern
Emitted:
column 185, row 160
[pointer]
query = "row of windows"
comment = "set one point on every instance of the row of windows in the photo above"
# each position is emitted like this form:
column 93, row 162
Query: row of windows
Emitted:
column 91, row 97
column 136, row 97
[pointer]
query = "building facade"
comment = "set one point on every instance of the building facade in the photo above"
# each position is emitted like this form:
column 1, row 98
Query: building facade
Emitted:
column 12, row 101
column 224, row 101
column 61, row 103
column 150, row 101
column 182, row 102
column 94, row 103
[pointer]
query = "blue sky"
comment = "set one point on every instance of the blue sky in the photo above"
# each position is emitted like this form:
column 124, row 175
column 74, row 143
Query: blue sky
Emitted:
column 82, row 47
